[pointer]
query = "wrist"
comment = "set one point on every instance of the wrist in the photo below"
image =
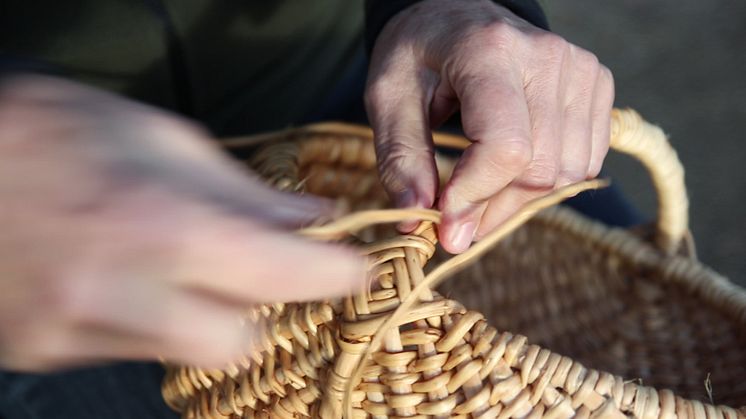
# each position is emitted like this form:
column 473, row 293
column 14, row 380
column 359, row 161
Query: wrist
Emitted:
column 378, row 13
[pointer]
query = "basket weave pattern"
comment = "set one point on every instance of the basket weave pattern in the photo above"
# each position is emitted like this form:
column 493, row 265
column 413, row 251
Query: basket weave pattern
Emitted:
column 597, row 296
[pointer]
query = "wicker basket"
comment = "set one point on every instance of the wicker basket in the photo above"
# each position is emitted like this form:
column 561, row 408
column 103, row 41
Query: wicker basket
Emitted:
column 615, row 321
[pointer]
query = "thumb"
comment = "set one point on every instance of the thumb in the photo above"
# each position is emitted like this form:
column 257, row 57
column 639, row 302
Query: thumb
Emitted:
column 397, row 101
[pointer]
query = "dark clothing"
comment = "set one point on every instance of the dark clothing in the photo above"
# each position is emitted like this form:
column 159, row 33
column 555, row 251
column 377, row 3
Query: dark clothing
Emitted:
column 121, row 391
column 238, row 66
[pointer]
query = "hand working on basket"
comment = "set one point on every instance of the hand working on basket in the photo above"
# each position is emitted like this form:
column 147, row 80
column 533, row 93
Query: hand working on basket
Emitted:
column 126, row 234
column 536, row 108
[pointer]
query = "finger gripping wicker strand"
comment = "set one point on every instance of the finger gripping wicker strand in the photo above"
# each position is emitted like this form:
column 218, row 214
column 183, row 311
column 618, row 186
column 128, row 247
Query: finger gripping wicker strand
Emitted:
column 600, row 297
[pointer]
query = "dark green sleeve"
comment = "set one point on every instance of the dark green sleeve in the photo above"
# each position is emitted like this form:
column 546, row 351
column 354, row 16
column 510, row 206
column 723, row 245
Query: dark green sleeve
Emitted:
column 10, row 64
column 237, row 66
column 378, row 13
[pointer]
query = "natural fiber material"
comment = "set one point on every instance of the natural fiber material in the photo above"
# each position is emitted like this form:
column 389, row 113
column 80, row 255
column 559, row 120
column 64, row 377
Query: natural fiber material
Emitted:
column 636, row 312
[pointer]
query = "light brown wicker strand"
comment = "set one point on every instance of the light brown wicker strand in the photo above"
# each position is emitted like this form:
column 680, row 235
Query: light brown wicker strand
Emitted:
column 347, row 224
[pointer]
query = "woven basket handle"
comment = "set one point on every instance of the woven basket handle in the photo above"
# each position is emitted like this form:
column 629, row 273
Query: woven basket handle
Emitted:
column 647, row 143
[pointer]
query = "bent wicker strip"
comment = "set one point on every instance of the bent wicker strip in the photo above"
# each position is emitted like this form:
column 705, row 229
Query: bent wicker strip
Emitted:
column 554, row 279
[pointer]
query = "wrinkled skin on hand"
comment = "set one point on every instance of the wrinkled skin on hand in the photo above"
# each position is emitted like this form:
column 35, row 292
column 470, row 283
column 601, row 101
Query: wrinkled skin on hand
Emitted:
column 127, row 234
column 535, row 107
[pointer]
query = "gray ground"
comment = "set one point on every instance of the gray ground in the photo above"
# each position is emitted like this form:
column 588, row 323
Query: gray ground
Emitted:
column 682, row 64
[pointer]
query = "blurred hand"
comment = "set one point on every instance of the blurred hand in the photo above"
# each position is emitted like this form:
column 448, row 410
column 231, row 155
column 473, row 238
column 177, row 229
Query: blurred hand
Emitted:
column 536, row 108
column 127, row 234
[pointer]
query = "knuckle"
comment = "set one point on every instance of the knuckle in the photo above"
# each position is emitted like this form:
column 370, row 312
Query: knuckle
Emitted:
column 541, row 173
column 482, row 66
column 606, row 84
column 606, row 74
column 395, row 158
column 550, row 52
column 469, row 192
column 572, row 174
column 577, row 106
column 514, row 154
column 378, row 89
column 552, row 43
column 503, row 159
column 401, row 145
column 73, row 300
column 160, row 124
column 372, row 94
column 499, row 35
column 585, row 72
column 586, row 60
column 493, row 43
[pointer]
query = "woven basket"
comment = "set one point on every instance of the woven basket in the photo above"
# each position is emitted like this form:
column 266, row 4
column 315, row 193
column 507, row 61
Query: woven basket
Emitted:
column 619, row 325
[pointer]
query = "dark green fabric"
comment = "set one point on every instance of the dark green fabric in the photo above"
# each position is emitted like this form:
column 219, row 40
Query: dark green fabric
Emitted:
column 248, row 65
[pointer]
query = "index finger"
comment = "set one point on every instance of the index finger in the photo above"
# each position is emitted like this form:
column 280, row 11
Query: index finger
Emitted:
column 250, row 262
column 496, row 119
column 164, row 236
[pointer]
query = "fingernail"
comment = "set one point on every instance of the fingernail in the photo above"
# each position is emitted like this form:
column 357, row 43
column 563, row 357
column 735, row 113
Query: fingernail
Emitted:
column 462, row 236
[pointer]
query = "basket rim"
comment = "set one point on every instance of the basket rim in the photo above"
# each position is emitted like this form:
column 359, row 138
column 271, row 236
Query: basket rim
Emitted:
column 696, row 277
column 693, row 276
column 687, row 271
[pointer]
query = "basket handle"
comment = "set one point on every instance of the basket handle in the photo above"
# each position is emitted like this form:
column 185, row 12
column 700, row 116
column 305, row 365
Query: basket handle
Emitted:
column 632, row 135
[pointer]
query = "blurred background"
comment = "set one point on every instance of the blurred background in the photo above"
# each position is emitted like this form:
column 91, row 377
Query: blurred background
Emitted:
column 682, row 65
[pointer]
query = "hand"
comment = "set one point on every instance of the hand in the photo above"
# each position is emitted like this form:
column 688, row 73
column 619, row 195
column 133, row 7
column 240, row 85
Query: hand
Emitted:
column 127, row 235
column 535, row 107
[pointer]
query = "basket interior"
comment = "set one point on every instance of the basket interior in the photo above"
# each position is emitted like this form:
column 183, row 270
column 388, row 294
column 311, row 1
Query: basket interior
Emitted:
column 571, row 295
